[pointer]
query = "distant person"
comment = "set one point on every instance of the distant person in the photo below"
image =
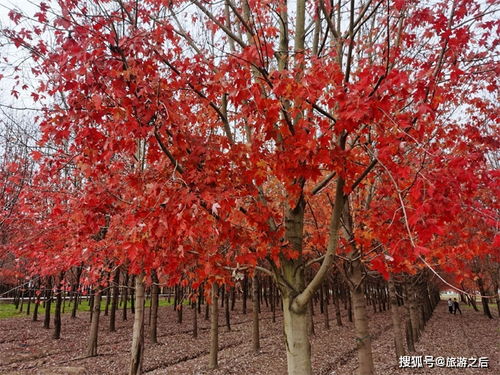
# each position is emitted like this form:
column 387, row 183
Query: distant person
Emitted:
column 456, row 306
column 450, row 306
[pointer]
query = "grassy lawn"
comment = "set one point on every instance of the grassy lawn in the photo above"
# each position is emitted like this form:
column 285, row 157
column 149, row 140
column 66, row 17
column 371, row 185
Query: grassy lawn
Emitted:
column 8, row 310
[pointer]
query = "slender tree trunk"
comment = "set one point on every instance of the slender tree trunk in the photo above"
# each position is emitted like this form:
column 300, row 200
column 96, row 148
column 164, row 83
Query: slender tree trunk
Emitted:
column 227, row 311
column 484, row 300
column 214, row 329
column 273, row 302
column 48, row 301
column 363, row 338
column 108, row 300
column 326, row 293
column 495, row 289
column 132, row 295
column 76, row 287
column 35, row 309
column 57, row 312
column 336, row 302
column 245, row 294
column 396, row 321
column 125, row 296
column 153, row 327
column 349, row 305
column 91, row 305
column 137, row 351
column 114, row 302
column 233, row 298
column 94, row 325
column 195, row 320
column 28, row 308
column 414, row 318
column 255, row 316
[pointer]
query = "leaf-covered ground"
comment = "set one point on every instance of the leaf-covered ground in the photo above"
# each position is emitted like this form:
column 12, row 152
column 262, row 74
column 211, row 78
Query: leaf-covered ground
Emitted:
column 27, row 348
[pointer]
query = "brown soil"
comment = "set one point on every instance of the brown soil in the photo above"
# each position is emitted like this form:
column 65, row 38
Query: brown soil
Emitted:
column 27, row 348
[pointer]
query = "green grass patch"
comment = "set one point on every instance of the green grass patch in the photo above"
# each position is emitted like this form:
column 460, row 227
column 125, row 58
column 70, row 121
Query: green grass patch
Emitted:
column 8, row 310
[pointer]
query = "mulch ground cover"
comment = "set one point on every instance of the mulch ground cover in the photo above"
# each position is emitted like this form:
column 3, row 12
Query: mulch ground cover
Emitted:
column 27, row 348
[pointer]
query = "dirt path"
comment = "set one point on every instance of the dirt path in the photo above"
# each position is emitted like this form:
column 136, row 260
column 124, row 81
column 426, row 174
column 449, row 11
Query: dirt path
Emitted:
column 26, row 348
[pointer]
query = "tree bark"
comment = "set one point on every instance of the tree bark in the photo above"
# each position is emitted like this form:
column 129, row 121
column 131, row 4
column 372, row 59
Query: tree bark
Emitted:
column 298, row 347
column 94, row 325
column 363, row 337
column 48, row 301
column 114, row 303
column 396, row 321
column 484, row 300
column 255, row 316
column 57, row 312
column 227, row 311
column 137, row 350
column 125, row 296
column 325, row 299
column 214, row 328
column 153, row 327
column 195, row 320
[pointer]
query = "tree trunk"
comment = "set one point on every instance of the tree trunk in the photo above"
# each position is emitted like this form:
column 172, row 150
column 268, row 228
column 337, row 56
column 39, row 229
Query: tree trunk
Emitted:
column 298, row 348
column 484, row 300
column 76, row 286
column 495, row 290
column 214, row 329
column 57, row 312
column 245, row 294
column 227, row 311
column 35, row 309
column 132, row 295
column 363, row 338
column 108, row 300
column 396, row 321
column 195, row 320
column 325, row 299
column 114, row 303
column 94, row 325
column 153, row 327
column 125, row 297
column 48, row 301
column 137, row 351
column 255, row 316
column 336, row 302
column 414, row 319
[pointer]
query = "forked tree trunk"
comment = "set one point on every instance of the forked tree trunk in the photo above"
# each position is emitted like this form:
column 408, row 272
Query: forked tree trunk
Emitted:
column 363, row 338
column 137, row 351
column 214, row 328
column 94, row 325
column 255, row 316
column 298, row 347
column 396, row 321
